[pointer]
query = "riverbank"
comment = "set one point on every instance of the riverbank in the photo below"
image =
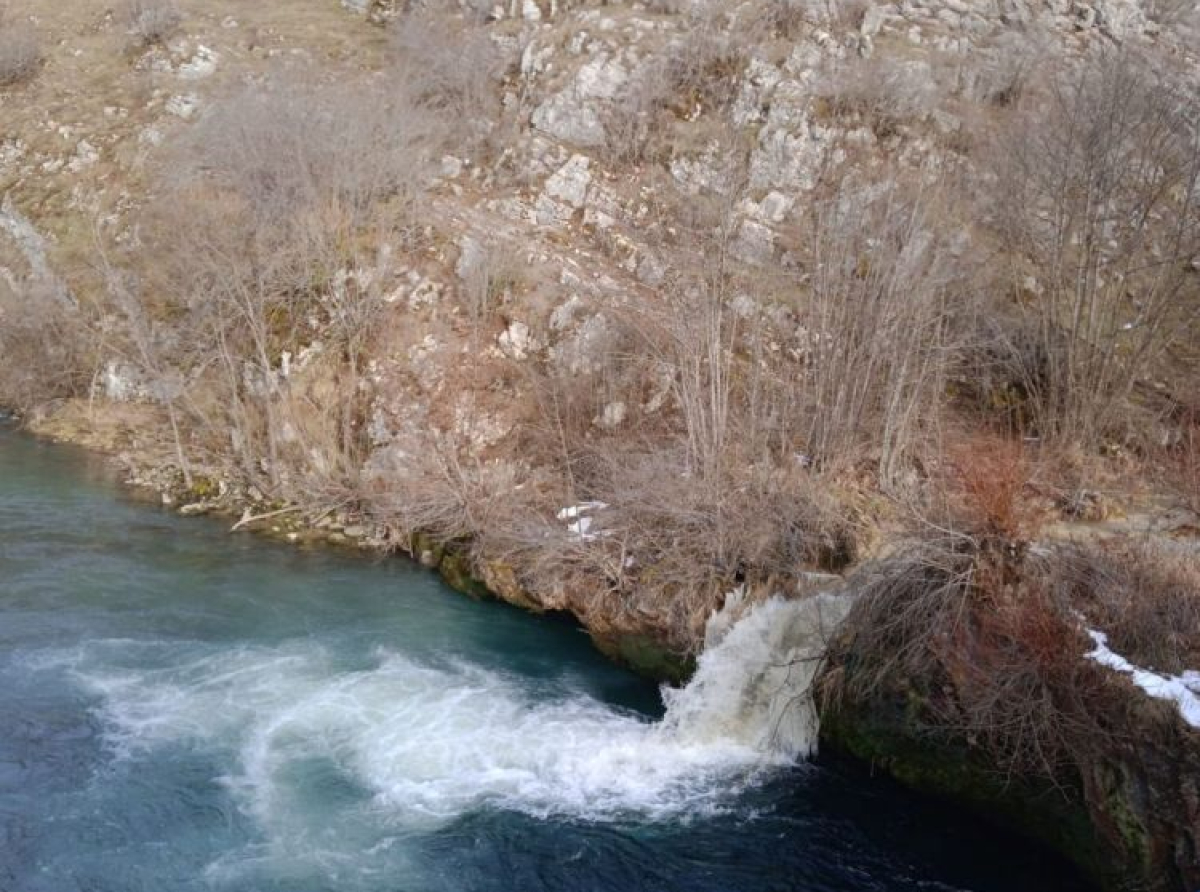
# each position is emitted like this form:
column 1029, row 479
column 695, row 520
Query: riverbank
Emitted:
column 1125, row 814
column 980, row 674
column 201, row 711
column 642, row 641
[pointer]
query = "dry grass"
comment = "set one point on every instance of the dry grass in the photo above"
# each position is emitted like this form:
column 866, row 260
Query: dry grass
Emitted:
column 1145, row 596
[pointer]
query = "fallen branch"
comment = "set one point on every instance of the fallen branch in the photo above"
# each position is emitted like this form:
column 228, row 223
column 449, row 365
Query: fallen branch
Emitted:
column 248, row 518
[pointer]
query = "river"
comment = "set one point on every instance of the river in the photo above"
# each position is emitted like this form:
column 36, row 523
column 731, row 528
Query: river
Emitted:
column 182, row 709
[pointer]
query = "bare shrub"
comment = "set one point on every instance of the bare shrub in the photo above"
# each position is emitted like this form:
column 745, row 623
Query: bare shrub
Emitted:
column 451, row 495
column 994, row 637
column 1172, row 12
column 902, row 606
column 883, row 91
column 45, row 346
column 1144, row 595
column 1097, row 202
column 994, row 645
column 787, row 15
column 1004, row 346
column 632, row 124
column 787, row 18
column 702, row 73
column 666, row 7
column 151, row 22
column 1187, row 461
column 451, row 66
column 876, row 310
column 288, row 147
column 698, row 75
column 488, row 275
column 988, row 489
column 20, row 52
column 998, row 72
column 1023, row 693
column 276, row 244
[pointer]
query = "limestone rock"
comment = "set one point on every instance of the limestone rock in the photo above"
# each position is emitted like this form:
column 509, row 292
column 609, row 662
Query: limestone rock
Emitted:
column 570, row 182
column 574, row 114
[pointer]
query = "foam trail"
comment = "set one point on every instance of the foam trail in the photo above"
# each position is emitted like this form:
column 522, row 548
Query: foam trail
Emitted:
column 429, row 743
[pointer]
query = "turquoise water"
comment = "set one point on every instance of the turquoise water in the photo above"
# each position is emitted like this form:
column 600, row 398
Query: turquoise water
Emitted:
column 189, row 710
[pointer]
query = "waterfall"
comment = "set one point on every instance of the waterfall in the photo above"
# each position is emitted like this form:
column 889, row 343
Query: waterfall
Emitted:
column 753, row 682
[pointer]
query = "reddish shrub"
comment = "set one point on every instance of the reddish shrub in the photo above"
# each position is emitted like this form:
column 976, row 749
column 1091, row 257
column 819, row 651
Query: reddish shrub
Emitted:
column 987, row 489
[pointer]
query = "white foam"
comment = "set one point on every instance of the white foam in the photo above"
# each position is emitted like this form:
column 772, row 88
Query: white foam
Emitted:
column 434, row 742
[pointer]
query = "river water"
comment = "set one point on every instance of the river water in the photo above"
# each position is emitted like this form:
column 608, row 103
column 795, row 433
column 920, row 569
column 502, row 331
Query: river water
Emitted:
column 181, row 709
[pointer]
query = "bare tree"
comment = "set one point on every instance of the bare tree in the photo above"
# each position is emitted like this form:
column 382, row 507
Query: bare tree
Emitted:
column 1098, row 197
column 876, row 312
column 148, row 346
column 278, row 241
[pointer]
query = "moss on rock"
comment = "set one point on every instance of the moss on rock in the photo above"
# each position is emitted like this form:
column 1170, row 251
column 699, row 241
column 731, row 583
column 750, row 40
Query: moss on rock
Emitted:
column 887, row 736
column 645, row 655
column 1120, row 816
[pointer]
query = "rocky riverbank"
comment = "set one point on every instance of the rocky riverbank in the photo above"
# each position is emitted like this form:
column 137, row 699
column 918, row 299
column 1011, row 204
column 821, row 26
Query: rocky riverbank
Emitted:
column 1126, row 811
column 639, row 643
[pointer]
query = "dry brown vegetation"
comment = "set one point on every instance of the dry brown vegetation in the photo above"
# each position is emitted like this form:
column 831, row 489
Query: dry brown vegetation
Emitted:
column 976, row 649
column 20, row 51
column 987, row 489
column 151, row 22
column 1146, row 595
column 259, row 259
column 450, row 67
column 1097, row 179
column 696, row 78
column 993, row 636
column 970, row 315
column 48, row 352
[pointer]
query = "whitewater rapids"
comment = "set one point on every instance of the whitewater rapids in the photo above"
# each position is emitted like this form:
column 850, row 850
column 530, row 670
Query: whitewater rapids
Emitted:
column 432, row 742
